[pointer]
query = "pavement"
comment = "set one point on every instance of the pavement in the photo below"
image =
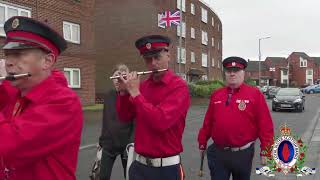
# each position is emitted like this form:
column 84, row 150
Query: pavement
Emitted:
column 306, row 125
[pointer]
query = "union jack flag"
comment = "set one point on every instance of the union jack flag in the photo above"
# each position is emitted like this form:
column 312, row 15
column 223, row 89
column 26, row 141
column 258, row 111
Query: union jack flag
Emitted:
column 167, row 19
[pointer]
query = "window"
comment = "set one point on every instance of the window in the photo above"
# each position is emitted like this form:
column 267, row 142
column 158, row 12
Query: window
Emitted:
column 309, row 81
column 204, row 38
column 73, row 77
column 183, row 5
column 285, row 81
column 212, row 62
column 183, row 55
column 218, row 64
column 183, row 24
column 193, row 58
column 204, row 60
column 285, row 73
column 310, row 72
column 303, row 62
column 192, row 9
column 204, row 15
column 193, row 33
column 71, row 32
column 7, row 11
column 218, row 45
column 204, row 77
column 212, row 42
column 212, row 21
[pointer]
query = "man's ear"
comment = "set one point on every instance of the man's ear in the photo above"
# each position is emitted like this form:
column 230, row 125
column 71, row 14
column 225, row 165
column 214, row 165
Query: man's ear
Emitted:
column 49, row 60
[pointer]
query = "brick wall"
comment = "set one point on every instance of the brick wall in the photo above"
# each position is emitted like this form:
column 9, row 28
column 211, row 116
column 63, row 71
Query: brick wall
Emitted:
column 119, row 23
column 77, row 55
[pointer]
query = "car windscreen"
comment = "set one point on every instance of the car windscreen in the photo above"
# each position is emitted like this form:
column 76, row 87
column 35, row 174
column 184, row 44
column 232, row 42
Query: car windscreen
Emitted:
column 288, row 92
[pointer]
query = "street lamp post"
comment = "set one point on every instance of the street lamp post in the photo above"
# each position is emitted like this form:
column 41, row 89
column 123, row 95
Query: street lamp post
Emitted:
column 260, row 57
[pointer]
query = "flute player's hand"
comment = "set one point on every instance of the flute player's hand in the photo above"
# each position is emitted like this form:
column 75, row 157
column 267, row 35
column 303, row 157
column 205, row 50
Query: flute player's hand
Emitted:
column 132, row 83
column 118, row 84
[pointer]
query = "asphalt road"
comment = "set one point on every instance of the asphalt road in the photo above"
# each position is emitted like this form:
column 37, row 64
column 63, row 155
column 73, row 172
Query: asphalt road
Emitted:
column 298, row 122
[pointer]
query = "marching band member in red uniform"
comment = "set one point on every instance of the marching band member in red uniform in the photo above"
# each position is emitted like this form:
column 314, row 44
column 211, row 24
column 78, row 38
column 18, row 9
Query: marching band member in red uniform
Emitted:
column 40, row 117
column 237, row 115
column 159, row 106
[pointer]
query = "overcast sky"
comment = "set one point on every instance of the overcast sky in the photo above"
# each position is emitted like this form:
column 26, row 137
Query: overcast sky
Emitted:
column 294, row 25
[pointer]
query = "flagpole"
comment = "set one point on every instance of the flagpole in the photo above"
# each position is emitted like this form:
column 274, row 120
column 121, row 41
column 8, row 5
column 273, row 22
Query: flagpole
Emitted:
column 180, row 39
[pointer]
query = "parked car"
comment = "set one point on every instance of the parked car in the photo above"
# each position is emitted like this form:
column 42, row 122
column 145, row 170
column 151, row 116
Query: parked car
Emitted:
column 272, row 92
column 288, row 98
column 312, row 89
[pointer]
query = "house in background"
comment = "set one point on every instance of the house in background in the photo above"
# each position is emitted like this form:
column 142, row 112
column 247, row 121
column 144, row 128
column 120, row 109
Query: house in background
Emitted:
column 297, row 70
column 74, row 20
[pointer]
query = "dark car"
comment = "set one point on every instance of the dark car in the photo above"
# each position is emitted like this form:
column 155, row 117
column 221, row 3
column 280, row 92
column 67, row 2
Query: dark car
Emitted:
column 289, row 98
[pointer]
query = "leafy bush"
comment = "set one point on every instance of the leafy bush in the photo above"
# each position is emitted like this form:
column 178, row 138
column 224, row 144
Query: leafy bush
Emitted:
column 204, row 88
column 250, row 82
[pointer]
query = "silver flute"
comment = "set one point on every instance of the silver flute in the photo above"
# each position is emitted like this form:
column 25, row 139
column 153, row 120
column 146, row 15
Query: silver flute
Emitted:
column 141, row 73
column 14, row 77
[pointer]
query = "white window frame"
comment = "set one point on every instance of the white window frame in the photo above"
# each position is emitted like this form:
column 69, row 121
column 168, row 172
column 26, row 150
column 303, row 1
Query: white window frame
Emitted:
column 204, row 37
column 283, row 76
column 204, row 60
column 192, row 9
column 72, row 25
column 183, row 53
column 303, row 62
column 212, row 62
column 204, row 15
column 71, row 70
column 183, row 5
column 309, row 77
column 204, row 77
column 212, row 41
column 212, row 21
column 218, row 64
column 183, row 24
column 193, row 33
column 6, row 16
column 193, row 57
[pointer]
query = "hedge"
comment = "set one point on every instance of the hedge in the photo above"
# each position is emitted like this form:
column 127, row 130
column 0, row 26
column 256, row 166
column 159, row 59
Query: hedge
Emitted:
column 204, row 88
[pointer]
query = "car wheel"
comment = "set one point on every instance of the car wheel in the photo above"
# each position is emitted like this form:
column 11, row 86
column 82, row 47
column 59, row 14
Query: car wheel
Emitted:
column 311, row 92
column 274, row 109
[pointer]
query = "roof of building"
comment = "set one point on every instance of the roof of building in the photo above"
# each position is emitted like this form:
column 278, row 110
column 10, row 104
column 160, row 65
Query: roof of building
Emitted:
column 254, row 66
column 276, row 60
column 301, row 54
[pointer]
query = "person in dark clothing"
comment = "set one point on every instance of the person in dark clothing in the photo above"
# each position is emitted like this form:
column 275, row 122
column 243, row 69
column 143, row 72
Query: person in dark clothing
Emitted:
column 115, row 134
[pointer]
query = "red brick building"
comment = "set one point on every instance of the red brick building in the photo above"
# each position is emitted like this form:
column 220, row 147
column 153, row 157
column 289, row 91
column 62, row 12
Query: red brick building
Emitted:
column 119, row 23
column 73, row 19
column 303, row 70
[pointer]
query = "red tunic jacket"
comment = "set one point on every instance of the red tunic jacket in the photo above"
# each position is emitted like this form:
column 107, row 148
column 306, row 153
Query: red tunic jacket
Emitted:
column 42, row 140
column 246, row 118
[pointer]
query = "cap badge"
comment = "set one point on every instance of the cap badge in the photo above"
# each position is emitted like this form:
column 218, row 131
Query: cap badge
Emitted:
column 148, row 45
column 15, row 23
column 233, row 64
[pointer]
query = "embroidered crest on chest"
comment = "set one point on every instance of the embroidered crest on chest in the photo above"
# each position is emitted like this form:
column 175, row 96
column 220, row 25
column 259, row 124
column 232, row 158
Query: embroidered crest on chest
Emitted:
column 242, row 104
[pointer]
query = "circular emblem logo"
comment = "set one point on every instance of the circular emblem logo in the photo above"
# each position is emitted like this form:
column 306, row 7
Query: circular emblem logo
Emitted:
column 148, row 45
column 285, row 152
column 233, row 63
column 15, row 23
column 242, row 105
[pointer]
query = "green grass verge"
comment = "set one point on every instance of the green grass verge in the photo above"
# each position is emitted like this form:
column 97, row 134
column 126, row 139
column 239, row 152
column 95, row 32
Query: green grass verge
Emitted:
column 96, row 107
